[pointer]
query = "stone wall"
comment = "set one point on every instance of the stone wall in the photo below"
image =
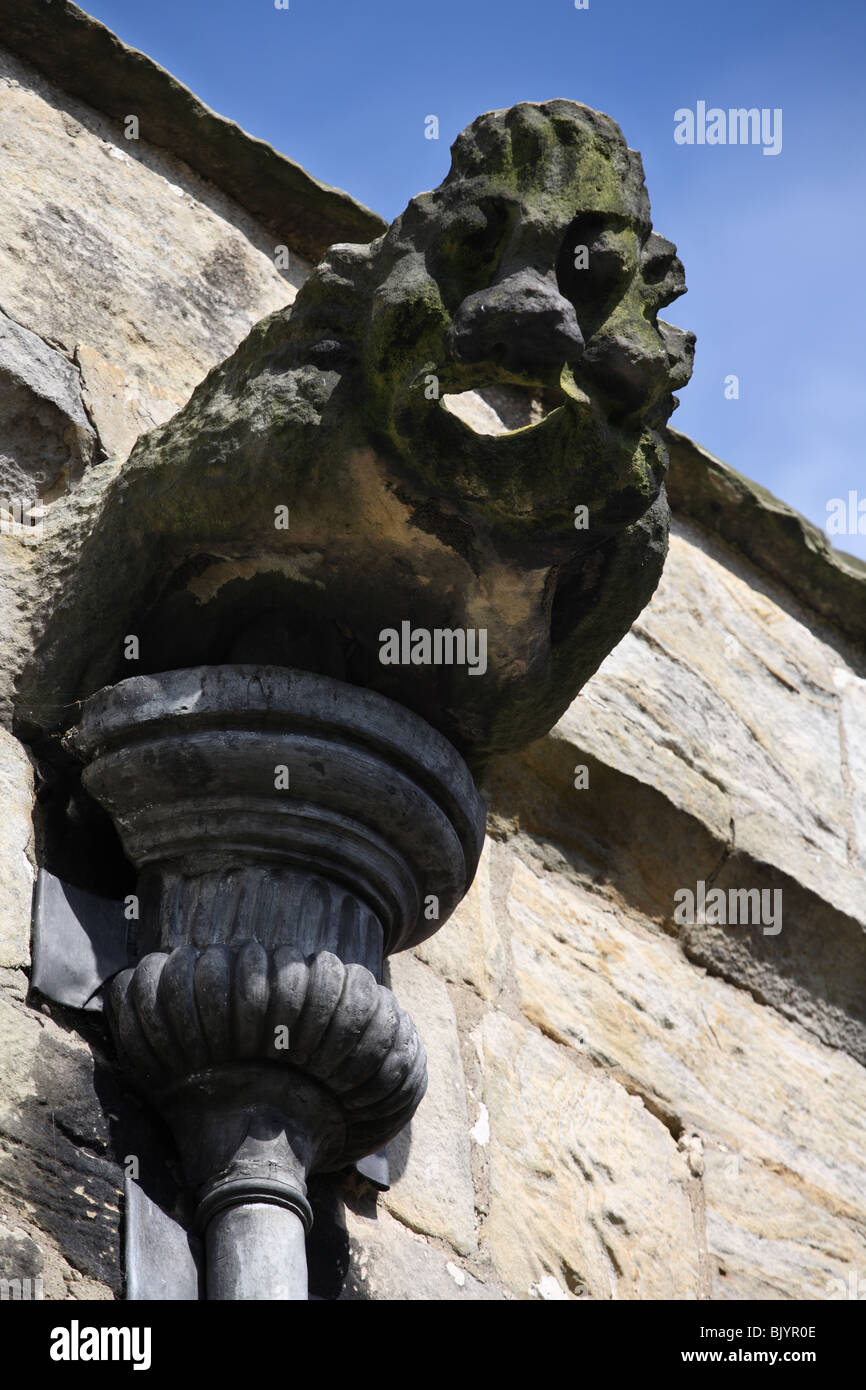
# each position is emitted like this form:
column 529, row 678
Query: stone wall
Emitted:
column 656, row 1111
column 619, row 1106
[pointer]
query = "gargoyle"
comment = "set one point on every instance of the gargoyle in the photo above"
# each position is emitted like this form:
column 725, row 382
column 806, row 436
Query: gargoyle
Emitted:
column 457, row 426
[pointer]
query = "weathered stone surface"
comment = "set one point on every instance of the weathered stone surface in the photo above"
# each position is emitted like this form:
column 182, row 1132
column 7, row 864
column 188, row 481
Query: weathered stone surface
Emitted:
column 56, row 1175
column 393, row 1263
column 29, row 1255
column 322, row 410
column 122, row 404
column 851, row 690
column 748, row 728
column 16, row 852
column 32, row 576
column 811, row 965
column 724, row 700
column 431, row 1175
column 586, row 1187
column 74, row 49
column 161, row 274
column 468, row 949
column 702, row 1054
column 771, row 534
column 770, row 1236
column 47, row 439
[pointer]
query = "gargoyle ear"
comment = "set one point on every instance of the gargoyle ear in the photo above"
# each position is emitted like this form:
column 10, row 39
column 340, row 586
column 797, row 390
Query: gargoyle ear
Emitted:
column 324, row 318
column 594, row 267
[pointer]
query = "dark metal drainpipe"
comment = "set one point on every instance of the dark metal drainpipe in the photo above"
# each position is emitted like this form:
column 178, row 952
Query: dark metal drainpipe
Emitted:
column 289, row 831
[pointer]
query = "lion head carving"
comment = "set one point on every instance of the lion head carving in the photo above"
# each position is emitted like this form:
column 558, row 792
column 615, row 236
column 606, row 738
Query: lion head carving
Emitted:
column 457, row 427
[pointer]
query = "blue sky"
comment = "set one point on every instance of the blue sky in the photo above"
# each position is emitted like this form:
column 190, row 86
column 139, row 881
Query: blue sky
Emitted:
column 772, row 245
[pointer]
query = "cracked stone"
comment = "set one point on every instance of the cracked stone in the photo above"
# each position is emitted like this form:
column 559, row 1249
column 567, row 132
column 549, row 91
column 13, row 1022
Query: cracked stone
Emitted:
column 431, row 1165
column 47, row 439
column 587, row 1188
column 16, row 852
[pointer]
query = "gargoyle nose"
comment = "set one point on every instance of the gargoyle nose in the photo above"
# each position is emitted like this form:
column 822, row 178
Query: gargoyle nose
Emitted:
column 521, row 322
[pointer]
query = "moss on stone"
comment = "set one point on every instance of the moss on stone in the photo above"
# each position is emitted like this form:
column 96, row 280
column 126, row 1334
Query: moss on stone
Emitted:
column 400, row 510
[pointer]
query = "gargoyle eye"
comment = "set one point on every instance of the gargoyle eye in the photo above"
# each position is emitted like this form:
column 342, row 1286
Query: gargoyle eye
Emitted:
column 594, row 266
column 330, row 352
column 466, row 255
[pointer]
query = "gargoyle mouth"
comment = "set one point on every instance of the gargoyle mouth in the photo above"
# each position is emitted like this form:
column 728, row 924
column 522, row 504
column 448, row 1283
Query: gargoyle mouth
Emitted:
column 504, row 408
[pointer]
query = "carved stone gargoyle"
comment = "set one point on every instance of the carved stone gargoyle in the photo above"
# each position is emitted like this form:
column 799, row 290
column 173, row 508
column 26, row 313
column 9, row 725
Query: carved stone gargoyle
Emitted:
column 450, row 444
